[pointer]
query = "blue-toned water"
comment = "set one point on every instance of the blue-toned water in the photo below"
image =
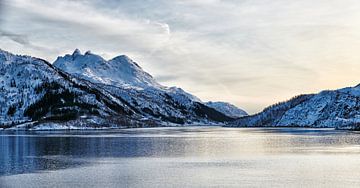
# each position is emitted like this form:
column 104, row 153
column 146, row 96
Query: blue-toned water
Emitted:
column 181, row 157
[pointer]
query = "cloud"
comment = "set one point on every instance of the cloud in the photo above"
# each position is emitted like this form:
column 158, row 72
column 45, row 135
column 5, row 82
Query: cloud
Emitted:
column 1, row 10
column 83, row 26
column 21, row 39
column 251, row 53
column 199, row 2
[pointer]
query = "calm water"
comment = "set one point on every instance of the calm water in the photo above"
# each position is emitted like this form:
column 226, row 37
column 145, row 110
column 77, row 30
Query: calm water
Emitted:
column 181, row 157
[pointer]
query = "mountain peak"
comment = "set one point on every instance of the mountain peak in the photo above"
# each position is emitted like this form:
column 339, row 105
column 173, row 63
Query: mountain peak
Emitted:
column 121, row 58
column 76, row 52
column 88, row 52
column 124, row 59
column 119, row 71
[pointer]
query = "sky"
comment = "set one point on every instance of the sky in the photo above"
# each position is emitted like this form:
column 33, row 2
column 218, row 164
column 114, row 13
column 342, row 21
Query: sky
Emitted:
column 251, row 53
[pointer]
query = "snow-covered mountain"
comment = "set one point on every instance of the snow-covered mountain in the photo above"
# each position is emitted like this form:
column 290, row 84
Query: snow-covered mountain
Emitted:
column 34, row 92
column 227, row 108
column 125, row 79
column 86, row 90
column 119, row 71
column 338, row 108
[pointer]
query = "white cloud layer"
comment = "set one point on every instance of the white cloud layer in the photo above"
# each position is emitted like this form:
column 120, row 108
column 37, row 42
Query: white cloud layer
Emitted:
column 250, row 53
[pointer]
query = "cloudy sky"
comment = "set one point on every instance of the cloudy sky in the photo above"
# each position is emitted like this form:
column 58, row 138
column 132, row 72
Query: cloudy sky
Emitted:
column 249, row 52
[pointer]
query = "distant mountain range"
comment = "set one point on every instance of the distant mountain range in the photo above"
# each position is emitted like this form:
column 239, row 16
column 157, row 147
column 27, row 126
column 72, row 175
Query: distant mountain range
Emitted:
column 336, row 109
column 81, row 91
column 86, row 91
column 227, row 108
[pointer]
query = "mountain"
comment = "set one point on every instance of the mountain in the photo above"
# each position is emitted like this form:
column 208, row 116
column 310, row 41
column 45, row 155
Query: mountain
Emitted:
column 119, row 71
column 227, row 108
column 125, row 79
column 84, row 90
column 337, row 108
column 33, row 92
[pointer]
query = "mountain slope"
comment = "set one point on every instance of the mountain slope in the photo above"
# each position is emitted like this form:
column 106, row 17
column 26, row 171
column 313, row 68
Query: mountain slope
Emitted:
column 338, row 108
column 227, row 108
column 33, row 90
column 35, row 93
column 125, row 79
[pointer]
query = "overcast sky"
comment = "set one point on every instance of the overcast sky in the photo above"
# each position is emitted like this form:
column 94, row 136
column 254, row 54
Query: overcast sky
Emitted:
column 251, row 53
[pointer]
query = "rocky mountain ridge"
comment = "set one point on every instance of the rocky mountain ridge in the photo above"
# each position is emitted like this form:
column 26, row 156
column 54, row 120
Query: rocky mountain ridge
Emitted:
column 77, row 91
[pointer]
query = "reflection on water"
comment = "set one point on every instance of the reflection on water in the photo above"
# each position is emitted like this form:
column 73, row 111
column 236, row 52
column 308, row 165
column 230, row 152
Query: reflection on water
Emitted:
column 178, row 157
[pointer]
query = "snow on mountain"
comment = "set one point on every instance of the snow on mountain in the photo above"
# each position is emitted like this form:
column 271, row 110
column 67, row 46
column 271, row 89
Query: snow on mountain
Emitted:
column 119, row 71
column 33, row 90
column 125, row 79
column 18, row 81
column 86, row 90
column 227, row 108
column 338, row 108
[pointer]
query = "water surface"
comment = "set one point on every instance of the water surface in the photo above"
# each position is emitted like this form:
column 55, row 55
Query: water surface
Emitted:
column 181, row 157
